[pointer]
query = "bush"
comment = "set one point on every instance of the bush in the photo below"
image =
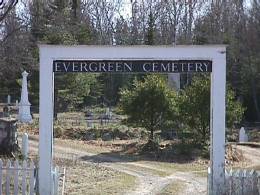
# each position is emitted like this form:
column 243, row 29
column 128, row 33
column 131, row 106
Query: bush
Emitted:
column 58, row 131
column 194, row 109
column 148, row 104
column 150, row 147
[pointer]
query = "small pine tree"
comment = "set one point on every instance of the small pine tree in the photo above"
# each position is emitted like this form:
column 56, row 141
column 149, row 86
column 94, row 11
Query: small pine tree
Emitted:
column 150, row 30
column 194, row 109
column 148, row 104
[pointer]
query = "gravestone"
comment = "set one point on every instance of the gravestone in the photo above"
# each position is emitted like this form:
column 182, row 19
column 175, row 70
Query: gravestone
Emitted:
column 90, row 124
column 242, row 135
column 174, row 81
column 24, row 105
column 106, row 137
column 8, row 135
column 6, row 111
column 8, row 99
column 90, row 136
column 90, row 119
column 108, row 113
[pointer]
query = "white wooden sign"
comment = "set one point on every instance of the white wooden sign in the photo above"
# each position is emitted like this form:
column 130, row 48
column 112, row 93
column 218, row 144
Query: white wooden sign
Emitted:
column 54, row 58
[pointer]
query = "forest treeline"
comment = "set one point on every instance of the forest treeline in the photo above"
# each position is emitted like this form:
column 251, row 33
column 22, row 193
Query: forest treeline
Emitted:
column 235, row 23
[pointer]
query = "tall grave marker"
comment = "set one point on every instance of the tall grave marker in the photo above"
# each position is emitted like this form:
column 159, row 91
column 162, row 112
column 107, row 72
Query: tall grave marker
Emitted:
column 24, row 105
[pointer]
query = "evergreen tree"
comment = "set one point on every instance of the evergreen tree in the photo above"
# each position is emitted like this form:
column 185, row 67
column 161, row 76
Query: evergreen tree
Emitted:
column 148, row 104
column 150, row 40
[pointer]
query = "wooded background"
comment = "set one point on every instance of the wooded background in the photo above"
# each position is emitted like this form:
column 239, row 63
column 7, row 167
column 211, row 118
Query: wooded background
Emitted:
column 24, row 23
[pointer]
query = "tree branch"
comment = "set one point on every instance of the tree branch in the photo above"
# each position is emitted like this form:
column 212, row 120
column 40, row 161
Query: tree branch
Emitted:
column 11, row 33
column 6, row 7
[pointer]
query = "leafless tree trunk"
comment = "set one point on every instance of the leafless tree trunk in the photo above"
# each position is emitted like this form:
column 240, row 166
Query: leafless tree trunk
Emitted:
column 6, row 7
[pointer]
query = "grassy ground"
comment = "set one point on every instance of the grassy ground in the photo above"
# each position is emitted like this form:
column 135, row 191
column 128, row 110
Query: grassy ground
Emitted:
column 89, row 178
column 257, row 168
column 155, row 167
column 254, row 135
column 95, row 147
column 98, row 179
column 150, row 170
column 203, row 173
column 170, row 167
column 173, row 188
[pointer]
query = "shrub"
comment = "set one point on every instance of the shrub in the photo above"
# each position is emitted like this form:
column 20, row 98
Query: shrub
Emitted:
column 148, row 104
column 58, row 131
column 194, row 109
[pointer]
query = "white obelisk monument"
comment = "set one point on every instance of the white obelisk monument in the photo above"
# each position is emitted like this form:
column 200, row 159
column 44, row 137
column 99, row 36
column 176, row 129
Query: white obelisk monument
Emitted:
column 24, row 105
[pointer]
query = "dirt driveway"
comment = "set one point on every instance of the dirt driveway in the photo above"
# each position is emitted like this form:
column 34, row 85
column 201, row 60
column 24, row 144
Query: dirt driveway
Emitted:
column 150, row 179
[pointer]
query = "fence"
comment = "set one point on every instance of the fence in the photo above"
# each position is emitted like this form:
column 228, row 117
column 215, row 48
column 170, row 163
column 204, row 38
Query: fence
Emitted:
column 17, row 179
column 97, row 119
column 239, row 182
column 21, row 179
column 242, row 182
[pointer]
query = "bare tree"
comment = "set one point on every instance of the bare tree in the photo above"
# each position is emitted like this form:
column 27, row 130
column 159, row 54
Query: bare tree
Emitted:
column 6, row 7
column 103, row 15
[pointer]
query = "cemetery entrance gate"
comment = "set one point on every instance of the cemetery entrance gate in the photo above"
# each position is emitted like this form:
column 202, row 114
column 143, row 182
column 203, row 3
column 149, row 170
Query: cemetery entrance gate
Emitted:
column 146, row 59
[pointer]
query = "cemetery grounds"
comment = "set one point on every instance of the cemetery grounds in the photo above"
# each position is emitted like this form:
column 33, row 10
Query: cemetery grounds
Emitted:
column 107, row 158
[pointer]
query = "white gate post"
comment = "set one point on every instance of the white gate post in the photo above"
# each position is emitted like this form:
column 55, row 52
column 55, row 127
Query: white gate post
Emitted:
column 46, row 123
column 217, row 123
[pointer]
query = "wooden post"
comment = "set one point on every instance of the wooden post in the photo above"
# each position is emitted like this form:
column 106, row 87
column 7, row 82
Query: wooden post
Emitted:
column 32, row 179
column 25, row 145
column 8, row 177
column 24, row 174
column 1, row 176
column 16, row 177
column 46, row 123
column 217, row 122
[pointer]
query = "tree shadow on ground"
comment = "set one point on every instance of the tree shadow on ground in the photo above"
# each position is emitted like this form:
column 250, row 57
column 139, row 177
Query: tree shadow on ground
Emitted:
column 132, row 153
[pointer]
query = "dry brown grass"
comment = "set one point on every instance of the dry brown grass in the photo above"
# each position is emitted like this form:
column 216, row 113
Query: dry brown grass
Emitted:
column 254, row 135
column 174, row 188
column 94, row 147
column 170, row 167
column 90, row 178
